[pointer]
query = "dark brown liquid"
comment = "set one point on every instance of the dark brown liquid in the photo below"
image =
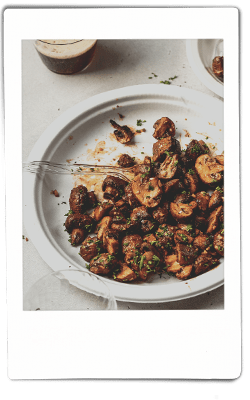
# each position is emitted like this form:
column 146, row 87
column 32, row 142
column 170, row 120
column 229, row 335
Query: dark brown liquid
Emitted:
column 70, row 65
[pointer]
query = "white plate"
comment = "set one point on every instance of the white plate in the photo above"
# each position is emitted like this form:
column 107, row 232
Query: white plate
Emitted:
column 200, row 53
column 88, row 123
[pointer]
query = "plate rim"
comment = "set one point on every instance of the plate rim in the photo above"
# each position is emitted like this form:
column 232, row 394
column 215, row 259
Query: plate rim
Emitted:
column 39, row 236
column 199, row 69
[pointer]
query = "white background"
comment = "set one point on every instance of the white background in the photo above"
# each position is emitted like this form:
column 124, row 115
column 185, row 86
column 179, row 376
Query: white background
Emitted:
column 196, row 358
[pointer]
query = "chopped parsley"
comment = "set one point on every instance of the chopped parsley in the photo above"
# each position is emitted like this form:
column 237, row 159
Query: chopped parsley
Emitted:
column 219, row 189
column 68, row 213
column 191, row 172
column 140, row 122
column 150, row 187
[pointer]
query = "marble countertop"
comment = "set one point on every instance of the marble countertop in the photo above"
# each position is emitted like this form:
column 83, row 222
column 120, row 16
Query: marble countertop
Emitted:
column 117, row 63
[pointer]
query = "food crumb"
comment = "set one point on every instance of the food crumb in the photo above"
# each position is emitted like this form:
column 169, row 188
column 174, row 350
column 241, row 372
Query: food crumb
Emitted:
column 26, row 239
column 121, row 117
column 55, row 192
column 187, row 133
column 70, row 137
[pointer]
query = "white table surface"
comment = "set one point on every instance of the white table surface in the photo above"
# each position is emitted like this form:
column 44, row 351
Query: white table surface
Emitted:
column 117, row 63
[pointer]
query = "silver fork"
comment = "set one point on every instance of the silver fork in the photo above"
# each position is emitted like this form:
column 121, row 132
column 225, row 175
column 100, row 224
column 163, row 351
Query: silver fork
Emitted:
column 76, row 169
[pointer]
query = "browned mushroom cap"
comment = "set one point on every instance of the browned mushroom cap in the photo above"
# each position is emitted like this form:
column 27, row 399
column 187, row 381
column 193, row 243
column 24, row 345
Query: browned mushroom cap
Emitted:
column 92, row 200
column 182, row 236
column 185, row 272
column 122, row 206
column 132, row 258
column 80, row 221
column 168, row 168
column 185, row 254
column 103, row 264
column 103, row 224
column 202, row 199
column 165, row 235
column 217, row 66
column 143, row 169
column 111, row 241
column 113, row 187
column 90, row 247
column 101, row 210
column 78, row 200
column 130, row 197
column 77, row 236
column 216, row 198
column 126, row 161
column 219, row 242
column 191, row 180
column 220, row 159
column 202, row 241
column 125, row 274
column 131, row 242
column 204, row 263
column 149, row 263
column 164, row 127
column 195, row 148
column 122, row 133
column 161, row 147
column 148, row 193
column 171, row 186
column 213, row 219
column 208, row 169
column 160, row 214
column 182, row 212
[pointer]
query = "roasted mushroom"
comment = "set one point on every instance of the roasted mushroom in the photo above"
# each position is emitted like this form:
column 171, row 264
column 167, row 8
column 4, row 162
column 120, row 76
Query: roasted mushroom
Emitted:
column 219, row 242
column 149, row 192
column 125, row 274
column 208, row 169
column 77, row 236
column 126, row 161
column 163, row 127
column 216, row 198
column 79, row 221
column 217, row 66
column 213, row 220
column 161, row 147
column 90, row 248
column 168, row 168
column 78, row 200
column 122, row 133
column 111, row 241
column 191, row 180
column 103, row 224
column 101, row 210
column 113, row 187
column 182, row 212
column 204, row 263
column 103, row 264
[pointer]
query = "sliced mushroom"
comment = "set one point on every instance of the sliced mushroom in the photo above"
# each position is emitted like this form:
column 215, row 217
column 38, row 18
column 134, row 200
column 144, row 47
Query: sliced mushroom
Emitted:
column 165, row 236
column 161, row 147
column 168, row 168
column 125, row 274
column 111, row 241
column 78, row 200
column 213, row 219
column 130, row 197
column 103, row 224
column 103, row 264
column 171, row 186
column 185, row 254
column 220, row 159
column 182, row 212
column 122, row 133
column 204, row 263
column 113, row 187
column 185, row 272
column 208, row 169
column 191, row 180
column 163, row 127
column 195, row 149
column 160, row 214
column 182, row 236
column 101, row 210
column 148, row 193
column 216, row 199
column 202, row 242
column 202, row 199
column 219, row 242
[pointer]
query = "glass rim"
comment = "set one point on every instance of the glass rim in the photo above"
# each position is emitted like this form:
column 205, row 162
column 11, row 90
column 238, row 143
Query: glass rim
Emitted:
column 60, row 44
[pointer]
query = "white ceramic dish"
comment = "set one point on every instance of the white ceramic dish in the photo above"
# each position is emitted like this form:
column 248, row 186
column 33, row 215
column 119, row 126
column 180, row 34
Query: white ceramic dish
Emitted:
column 200, row 53
column 82, row 128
